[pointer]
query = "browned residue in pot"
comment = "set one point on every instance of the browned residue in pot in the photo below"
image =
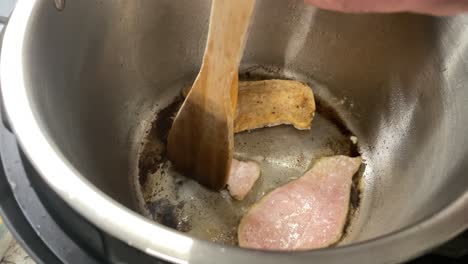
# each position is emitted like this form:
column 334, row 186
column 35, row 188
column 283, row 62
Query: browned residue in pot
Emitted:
column 178, row 203
column 153, row 154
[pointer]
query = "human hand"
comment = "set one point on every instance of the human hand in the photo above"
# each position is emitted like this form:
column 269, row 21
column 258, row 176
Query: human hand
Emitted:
column 433, row 7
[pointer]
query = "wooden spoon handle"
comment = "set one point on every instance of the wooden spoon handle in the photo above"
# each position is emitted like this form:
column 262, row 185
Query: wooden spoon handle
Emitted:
column 201, row 140
column 234, row 93
column 229, row 22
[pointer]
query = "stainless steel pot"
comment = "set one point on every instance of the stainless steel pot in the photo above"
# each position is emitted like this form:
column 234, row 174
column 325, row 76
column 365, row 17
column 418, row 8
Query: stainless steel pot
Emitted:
column 79, row 79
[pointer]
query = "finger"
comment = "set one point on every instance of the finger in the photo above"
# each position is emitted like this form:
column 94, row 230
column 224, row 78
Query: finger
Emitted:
column 434, row 7
column 360, row 6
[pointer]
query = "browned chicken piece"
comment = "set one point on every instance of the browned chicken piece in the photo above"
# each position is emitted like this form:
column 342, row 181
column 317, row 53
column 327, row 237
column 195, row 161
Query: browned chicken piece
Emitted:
column 273, row 102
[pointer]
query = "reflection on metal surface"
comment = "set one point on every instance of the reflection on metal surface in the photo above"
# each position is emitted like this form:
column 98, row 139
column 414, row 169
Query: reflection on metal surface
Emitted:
column 59, row 4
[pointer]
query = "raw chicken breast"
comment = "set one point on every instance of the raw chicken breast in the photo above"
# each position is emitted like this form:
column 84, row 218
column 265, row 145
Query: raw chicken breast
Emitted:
column 307, row 213
column 274, row 102
column 242, row 177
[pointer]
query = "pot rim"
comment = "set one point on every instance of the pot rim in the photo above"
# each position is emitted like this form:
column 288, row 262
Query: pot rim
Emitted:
column 160, row 241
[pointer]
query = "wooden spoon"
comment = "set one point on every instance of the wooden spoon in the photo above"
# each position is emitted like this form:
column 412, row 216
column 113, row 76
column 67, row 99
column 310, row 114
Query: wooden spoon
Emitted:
column 201, row 140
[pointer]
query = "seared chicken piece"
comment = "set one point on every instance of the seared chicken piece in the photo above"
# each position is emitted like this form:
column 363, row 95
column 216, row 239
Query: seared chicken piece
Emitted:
column 242, row 177
column 307, row 213
column 271, row 103
column 274, row 102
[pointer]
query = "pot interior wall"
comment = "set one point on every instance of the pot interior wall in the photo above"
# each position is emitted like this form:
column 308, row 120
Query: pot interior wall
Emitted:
column 98, row 70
